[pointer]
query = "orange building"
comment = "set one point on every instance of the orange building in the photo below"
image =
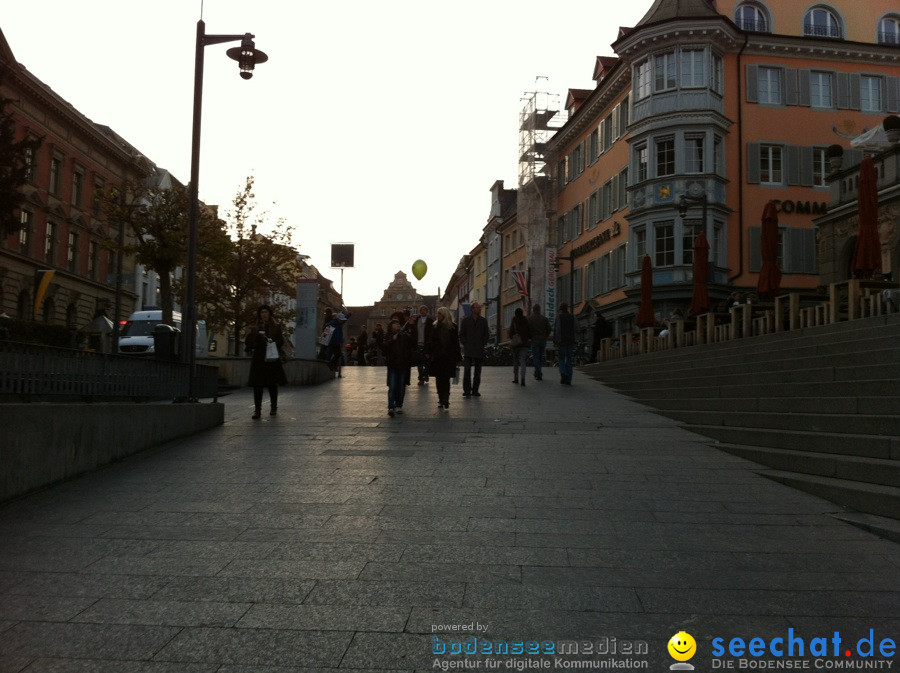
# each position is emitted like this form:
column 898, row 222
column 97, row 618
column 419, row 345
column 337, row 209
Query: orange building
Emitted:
column 709, row 110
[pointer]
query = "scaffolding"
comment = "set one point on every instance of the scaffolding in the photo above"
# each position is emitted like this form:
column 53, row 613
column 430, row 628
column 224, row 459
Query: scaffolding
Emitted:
column 540, row 118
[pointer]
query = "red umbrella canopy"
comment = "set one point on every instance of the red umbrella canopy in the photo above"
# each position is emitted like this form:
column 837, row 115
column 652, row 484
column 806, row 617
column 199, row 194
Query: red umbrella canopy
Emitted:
column 867, row 257
column 769, row 281
column 700, row 300
column 645, row 316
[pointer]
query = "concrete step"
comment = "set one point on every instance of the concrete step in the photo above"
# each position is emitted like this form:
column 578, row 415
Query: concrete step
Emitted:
column 883, row 501
column 849, row 444
column 859, row 424
column 868, row 470
column 882, row 526
column 887, row 389
column 799, row 405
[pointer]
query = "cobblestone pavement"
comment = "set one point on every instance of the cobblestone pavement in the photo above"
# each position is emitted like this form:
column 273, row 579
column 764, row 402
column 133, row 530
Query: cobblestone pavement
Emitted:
column 334, row 537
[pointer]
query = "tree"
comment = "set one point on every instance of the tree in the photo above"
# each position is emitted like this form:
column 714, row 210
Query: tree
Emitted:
column 259, row 269
column 14, row 169
column 158, row 216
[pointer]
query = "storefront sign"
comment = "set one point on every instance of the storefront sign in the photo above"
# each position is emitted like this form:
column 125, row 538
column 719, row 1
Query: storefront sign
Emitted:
column 800, row 207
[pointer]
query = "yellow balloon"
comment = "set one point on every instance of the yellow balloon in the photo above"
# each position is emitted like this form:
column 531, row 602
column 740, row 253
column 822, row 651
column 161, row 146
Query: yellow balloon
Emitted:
column 419, row 269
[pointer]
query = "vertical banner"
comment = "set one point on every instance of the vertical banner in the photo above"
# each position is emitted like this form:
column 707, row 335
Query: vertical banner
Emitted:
column 306, row 329
column 550, row 306
column 42, row 279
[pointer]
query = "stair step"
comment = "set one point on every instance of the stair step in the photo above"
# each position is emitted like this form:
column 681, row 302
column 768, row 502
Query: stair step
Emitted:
column 868, row 446
column 859, row 424
column 868, row 498
column 869, row 470
column 799, row 405
column 879, row 525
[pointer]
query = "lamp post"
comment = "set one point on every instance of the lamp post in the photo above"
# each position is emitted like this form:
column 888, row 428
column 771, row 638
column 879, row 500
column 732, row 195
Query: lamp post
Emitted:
column 247, row 56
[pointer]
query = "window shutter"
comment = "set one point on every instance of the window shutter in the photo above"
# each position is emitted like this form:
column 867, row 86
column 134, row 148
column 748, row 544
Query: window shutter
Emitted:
column 755, row 255
column 891, row 94
column 803, row 87
column 806, row 166
column 800, row 251
column 752, row 84
column 753, row 162
column 854, row 92
column 792, row 158
column 843, row 90
column 790, row 86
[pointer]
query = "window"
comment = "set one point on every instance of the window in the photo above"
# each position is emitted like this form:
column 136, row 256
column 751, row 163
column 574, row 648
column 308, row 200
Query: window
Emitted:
column 751, row 18
column 718, row 156
column 718, row 78
column 820, row 22
column 29, row 163
column 889, row 30
column 607, row 127
column 664, row 72
column 593, row 209
column 693, row 154
column 623, row 191
column 50, row 243
column 576, row 162
column 820, row 89
column 640, row 245
column 93, row 256
column 55, row 168
column 606, row 204
column 692, row 229
column 693, row 68
column 77, row 188
column 642, row 160
column 25, row 232
column 561, row 174
column 604, row 275
column 665, row 243
column 665, row 156
column 642, row 78
column 770, row 164
column 594, row 145
column 72, row 254
column 820, row 166
column 769, row 85
column 97, row 199
column 870, row 93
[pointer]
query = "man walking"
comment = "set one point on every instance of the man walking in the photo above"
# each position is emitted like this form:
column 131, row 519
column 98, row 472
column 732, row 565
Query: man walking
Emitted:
column 474, row 334
column 423, row 328
column 540, row 332
column 564, row 338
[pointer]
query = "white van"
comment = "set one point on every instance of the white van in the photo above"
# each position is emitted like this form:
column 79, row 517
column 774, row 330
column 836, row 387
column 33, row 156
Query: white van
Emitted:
column 136, row 333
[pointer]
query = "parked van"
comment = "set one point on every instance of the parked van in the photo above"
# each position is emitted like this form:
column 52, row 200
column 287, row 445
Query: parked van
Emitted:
column 136, row 333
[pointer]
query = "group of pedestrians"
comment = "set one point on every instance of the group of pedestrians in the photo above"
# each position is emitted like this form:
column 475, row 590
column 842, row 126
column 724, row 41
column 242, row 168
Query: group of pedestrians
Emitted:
column 436, row 348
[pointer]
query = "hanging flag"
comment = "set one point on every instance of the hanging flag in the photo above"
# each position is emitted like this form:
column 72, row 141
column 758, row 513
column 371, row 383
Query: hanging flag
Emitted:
column 521, row 280
column 42, row 278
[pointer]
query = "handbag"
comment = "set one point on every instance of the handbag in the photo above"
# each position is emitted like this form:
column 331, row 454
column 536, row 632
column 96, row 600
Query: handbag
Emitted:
column 515, row 341
column 272, row 353
column 327, row 333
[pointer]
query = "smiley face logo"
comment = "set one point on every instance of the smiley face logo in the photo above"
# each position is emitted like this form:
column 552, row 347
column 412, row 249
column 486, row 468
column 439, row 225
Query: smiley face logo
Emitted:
column 682, row 646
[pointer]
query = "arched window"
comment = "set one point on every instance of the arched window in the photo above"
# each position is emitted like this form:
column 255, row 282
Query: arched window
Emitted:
column 821, row 22
column 751, row 17
column 889, row 30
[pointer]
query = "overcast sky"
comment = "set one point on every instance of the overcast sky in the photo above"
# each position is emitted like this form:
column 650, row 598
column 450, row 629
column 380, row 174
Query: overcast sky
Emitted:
column 379, row 124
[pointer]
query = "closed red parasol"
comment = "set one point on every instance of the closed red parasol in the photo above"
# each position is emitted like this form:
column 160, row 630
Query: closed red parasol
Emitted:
column 645, row 316
column 769, row 281
column 867, row 257
column 700, row 300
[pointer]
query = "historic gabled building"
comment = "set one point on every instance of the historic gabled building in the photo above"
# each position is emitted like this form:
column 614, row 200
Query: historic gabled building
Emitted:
column 718, row 106
column 64, row 227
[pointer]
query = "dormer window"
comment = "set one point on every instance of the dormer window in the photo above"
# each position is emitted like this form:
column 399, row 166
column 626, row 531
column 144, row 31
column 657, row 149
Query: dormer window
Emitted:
column 821, row 22
column 751, row 17
column 889, row 30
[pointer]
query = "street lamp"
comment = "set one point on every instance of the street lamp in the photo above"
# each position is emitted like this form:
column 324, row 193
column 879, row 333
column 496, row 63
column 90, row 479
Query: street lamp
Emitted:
column 247, row 56
column 686, row 199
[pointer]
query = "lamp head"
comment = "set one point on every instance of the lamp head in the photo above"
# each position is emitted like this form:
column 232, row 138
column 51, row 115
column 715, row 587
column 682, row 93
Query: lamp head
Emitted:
column 682, row 206
column 247, row 56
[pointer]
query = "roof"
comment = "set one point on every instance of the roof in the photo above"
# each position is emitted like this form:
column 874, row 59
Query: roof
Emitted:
column 677, row 9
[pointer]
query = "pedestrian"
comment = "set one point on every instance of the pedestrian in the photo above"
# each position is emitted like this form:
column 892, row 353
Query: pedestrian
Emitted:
column 474, row 334
column 540, row 331
column 398, row 349
column 376, row 353
column 335, row 354
column 519, row 342
column 564, row 338
column 444, row 354
column 362, row 346
column 324, row 350
column 424, row 325
column 603, row 329
column 265, row 372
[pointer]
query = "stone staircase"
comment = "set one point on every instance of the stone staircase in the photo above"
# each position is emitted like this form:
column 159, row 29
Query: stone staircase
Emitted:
column 818, row 407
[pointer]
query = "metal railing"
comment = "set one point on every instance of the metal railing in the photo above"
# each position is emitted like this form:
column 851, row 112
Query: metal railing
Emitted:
column 30, row 372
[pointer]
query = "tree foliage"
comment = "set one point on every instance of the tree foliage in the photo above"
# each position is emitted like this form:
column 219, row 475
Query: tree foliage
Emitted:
column 13, row 170
column 260, row 269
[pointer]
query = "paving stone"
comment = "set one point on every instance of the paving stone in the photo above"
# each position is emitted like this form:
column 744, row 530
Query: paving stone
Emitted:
column 325, row 617
column 162, row 612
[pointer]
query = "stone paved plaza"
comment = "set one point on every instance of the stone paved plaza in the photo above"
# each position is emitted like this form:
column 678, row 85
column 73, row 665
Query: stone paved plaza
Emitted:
column 332, row 537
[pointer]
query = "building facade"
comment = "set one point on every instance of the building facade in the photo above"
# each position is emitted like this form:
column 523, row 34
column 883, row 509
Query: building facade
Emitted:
column 724, row 106
column 65, row 229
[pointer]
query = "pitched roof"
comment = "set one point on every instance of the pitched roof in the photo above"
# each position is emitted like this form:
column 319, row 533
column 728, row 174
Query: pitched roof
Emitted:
column 677, row 9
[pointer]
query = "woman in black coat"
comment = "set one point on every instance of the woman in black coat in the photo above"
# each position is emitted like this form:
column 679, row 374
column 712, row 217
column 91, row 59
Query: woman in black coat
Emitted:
column 265, row 373
column 444, row 354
